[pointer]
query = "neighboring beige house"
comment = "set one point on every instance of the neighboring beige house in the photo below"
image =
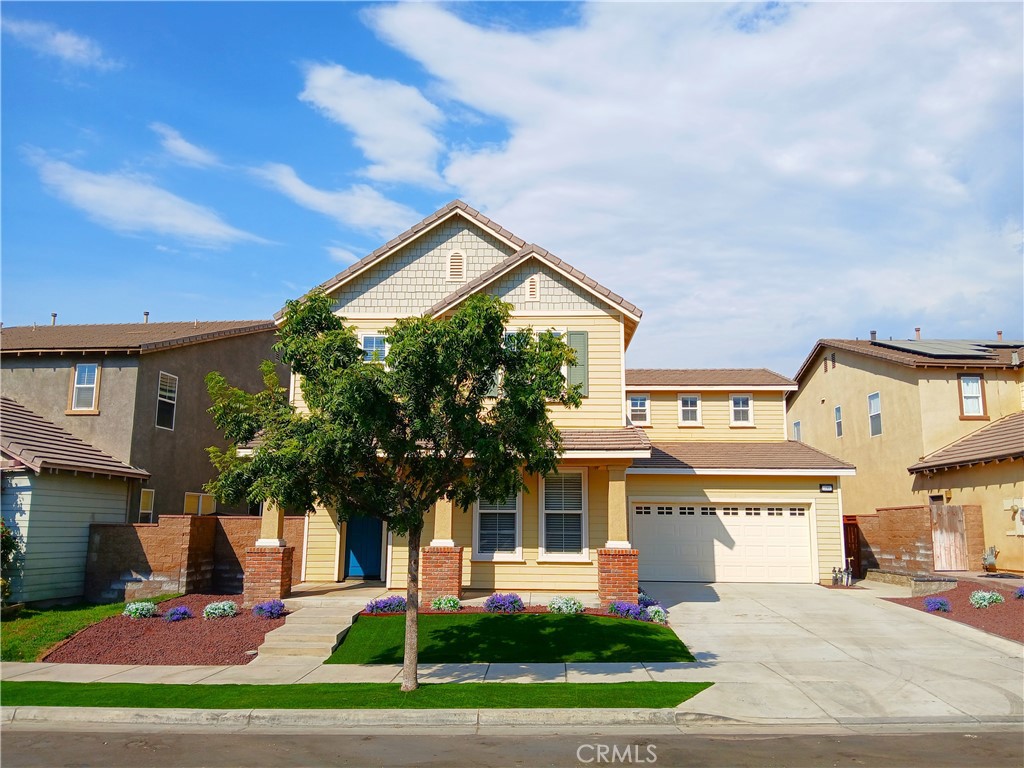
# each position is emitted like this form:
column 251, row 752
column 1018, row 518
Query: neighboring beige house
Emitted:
column 926, row 422
column 679, row 474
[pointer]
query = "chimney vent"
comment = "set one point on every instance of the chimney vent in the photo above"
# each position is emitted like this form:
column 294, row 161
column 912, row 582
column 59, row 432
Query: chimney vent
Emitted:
column 145, row 316
column 874, row 335
column 53, row 318
column 917, row 333
column 999, row 335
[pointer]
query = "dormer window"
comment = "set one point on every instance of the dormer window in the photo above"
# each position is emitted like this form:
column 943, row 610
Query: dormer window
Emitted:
column 456, row 267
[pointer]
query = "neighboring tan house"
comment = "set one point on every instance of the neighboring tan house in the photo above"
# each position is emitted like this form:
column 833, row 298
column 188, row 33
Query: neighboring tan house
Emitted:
column 695, row 482
column 54, row 486
column 929, row 424
column 136, row 391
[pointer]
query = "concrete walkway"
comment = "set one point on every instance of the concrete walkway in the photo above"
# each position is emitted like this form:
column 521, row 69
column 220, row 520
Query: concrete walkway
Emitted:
column 779, row 654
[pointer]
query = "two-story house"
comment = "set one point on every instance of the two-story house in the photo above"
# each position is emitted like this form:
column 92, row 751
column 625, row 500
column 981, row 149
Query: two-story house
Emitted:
column 136, row 392
column 930, row 425
column 675, row 474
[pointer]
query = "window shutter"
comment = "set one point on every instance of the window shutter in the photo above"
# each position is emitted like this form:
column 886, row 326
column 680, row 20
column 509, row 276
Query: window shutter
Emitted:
column 579, row 373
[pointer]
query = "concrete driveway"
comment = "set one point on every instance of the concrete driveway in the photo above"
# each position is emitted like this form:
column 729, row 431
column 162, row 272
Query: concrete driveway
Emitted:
column 801, row 653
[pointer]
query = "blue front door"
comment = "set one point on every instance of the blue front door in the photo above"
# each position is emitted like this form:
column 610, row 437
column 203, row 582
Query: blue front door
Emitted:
column 362, row 548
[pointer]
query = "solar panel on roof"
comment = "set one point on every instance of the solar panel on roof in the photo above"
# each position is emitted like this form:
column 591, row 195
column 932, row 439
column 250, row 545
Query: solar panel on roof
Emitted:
column 940, row 348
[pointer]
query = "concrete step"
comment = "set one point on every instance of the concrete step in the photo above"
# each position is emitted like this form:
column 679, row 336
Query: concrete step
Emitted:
column 319, row 651
column 298, row 639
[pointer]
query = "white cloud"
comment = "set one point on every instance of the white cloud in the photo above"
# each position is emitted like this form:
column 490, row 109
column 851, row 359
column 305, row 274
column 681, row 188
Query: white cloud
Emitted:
column 752, row 181
column 393, row 124
column 341, row 255
column 65, row 45
column 134, row 204
column 360, row 207
column 182, row 150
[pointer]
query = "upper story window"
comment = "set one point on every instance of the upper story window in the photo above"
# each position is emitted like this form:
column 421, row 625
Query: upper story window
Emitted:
column 875, row 414
column 456, row 266
column 166, row 400
column 498, row 525
column 839, row 421
column 374, row 348
column 972, row 397
column 200, row 504
column 640, row 409
column 741, row 412
column 85, row 388
column 146, row 505
column 689, row 411
column 797, row 431
column 563, row 518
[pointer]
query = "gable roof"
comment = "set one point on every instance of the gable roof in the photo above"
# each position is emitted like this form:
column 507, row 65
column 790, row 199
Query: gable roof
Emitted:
column 927, row 353
column 123, row 337
column 706, row 378
column 720, row 458
column 455, row 207
column 31, row 441
column 1002, row 439
column 521, row 256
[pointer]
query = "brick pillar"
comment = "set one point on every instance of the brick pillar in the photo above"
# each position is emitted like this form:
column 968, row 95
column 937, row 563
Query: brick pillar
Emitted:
column 268, row 574
column 440, row 573
column 617, row 575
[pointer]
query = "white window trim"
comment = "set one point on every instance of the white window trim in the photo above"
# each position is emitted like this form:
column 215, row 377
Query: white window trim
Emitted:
column 174, row 413
column 732, row 410
column 498, row 557
column 560, row 557
column 152, row 505
column 964, row 397
column 837, row 415
column 700, row 410
column 647, row 410
column 797, row 430
column 881, row 428
column 362, row 345
column 94, row 406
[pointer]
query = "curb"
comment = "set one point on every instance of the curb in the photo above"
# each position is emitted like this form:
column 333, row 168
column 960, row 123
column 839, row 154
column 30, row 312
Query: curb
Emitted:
column 294, row 718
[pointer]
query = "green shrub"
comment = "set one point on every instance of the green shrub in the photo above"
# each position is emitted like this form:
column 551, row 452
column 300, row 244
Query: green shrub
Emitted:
column 569, row 605
column 222, row 610
column 983, row 599
column 140, row 610
column 446, row 603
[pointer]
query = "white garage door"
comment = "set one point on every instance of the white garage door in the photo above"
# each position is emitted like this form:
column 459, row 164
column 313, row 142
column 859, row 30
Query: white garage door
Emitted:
column 716, row 542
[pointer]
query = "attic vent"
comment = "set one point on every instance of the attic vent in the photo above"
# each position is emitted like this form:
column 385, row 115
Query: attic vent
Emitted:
column 533, row 288
column 456, row 266
column 833, row 358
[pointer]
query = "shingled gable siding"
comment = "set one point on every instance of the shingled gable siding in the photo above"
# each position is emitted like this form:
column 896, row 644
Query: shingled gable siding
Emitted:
column 556, row 293
column 769, row 417
column 415, row 278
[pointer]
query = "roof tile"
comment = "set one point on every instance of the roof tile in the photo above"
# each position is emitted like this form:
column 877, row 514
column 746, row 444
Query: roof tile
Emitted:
column 1002, row 439
column 719, row 455
column 123, row 336
column 707, row 377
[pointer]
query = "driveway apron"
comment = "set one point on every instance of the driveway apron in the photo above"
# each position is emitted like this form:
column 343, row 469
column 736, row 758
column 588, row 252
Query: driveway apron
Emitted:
column 800, row 652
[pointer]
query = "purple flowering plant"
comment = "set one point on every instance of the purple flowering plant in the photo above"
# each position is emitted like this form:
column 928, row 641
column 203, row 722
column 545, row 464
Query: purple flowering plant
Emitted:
column 646, row 601
column 271, row 609
column 391, row 604
column 179, row 613
column 933, row 604
column 1019, row 594
column 510, row 603
column 629, row 610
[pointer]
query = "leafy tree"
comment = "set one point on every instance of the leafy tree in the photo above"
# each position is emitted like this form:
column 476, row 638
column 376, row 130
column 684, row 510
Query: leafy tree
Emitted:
column 459, row 411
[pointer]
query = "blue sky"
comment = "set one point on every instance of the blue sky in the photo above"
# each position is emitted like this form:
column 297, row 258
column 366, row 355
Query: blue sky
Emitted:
column 753, row 176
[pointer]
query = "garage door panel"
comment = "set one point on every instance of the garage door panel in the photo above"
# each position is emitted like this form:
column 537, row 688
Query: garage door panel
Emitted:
column 722, row 543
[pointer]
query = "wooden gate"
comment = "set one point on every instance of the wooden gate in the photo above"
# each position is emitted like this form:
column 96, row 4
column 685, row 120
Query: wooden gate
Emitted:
column 851, row 534
column 949, row 538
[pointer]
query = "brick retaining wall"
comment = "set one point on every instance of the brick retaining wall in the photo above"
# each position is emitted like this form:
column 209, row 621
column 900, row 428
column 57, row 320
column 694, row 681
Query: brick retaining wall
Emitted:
column 899, row 539
column 440, row 573
column 618, row 575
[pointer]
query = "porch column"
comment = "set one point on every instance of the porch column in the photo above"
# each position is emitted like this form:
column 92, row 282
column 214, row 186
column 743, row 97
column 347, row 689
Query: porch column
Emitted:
column 268, row 564
column 443, row 514
column 271, row 526
column 618, row 518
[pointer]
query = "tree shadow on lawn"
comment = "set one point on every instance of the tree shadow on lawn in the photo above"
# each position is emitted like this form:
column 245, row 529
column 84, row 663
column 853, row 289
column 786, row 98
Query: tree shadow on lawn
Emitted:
column 524, row 638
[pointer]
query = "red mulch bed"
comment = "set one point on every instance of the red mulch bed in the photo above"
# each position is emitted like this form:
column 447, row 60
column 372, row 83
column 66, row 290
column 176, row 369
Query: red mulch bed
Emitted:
column 479, row 609
column 121, row 640
column 1005, row 619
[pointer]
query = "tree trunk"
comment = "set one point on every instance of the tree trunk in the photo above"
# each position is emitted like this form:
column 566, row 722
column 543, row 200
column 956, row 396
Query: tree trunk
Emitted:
column 410, row 681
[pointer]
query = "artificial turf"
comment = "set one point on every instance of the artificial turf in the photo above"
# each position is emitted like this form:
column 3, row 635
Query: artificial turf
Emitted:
column 522, row 638
column 352, row 695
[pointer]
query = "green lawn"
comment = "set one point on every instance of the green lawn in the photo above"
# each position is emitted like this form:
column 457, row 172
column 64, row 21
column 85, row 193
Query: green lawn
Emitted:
column 518, row 638
column 352, row 695
column 33, row 631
